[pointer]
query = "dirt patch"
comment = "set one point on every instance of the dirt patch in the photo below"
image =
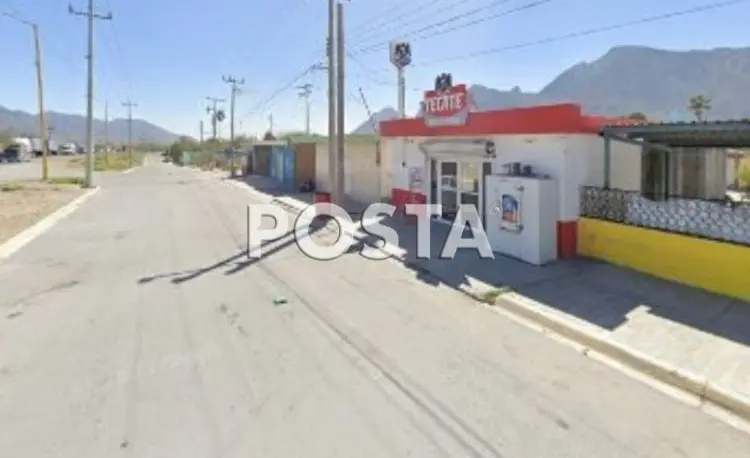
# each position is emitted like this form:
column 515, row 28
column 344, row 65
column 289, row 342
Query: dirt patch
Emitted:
column 24, row 204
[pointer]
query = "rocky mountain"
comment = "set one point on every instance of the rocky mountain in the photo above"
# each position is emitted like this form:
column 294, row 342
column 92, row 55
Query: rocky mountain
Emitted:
column 630, row 79
column 367, row 127
column 70, row 127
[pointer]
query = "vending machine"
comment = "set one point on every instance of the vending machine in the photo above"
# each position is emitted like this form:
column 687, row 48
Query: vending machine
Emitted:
column 522, row 214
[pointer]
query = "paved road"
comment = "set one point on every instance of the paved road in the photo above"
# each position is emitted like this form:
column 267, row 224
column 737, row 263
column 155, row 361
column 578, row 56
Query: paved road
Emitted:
column 33, row 169
column 143, row 332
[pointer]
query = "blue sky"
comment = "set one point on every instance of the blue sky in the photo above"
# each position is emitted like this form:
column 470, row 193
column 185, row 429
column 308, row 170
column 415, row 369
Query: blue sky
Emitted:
column 168, row 55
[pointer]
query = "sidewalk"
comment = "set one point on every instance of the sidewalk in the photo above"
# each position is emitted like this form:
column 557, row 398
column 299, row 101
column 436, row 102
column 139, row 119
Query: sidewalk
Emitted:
column 690, row 338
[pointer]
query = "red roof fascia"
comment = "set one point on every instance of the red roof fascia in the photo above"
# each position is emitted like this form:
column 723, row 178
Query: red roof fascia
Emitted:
column 547, row 119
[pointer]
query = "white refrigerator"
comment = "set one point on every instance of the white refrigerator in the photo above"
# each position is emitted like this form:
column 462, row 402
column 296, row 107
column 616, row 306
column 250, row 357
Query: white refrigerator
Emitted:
column 522, row 215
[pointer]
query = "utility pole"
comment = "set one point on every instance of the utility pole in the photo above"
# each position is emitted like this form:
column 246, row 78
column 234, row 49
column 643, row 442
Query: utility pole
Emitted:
column 235, row 89
column 130, row 105
column 106, row 133
column 43, row 131
column 305, row 91
column 90, row 15
column 44, row 134
column 270, row 123
column 331, row 54
column 201, row 131
column 214, row 112
column 340, row 109
column 106, row 126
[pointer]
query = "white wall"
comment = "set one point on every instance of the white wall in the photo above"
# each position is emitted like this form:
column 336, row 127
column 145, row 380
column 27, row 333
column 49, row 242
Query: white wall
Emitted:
column 545, row 153
column 362, row 173
column 625, row 162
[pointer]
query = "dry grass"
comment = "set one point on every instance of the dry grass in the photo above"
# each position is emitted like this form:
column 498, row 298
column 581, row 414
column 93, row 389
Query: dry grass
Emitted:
column 112, row 162
column 22, row 204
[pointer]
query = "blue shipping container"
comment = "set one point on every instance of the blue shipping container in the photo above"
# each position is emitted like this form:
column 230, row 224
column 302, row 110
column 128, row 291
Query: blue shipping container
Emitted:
column 282, row 166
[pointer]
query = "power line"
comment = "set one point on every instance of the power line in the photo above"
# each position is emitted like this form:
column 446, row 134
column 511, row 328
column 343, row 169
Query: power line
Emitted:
column 120, row 56
column 369, row 28
column 517, row 9
column 368, row 73
column 586, row 32
column 286, row 86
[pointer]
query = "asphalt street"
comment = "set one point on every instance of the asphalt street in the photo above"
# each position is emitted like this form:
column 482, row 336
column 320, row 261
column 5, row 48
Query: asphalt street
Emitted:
column 137, row 327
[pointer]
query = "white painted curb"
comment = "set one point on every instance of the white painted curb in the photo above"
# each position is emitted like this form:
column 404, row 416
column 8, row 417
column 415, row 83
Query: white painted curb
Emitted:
column 20, row 240
column 590, row 339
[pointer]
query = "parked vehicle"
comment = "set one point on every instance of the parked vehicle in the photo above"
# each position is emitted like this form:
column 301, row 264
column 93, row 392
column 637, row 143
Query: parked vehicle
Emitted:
column 68, row 149
column 36, row 146
column 16, row 152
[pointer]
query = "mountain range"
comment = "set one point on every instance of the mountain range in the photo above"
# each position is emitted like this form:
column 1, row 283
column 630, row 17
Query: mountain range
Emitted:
column 72, row 128
column 629, row 79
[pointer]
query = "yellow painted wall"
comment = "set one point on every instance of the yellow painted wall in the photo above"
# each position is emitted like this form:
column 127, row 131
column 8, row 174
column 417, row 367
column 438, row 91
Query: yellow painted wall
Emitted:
column 719, row 267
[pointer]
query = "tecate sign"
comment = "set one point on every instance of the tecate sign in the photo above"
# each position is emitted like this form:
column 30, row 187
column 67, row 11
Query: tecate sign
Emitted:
column 446, row 107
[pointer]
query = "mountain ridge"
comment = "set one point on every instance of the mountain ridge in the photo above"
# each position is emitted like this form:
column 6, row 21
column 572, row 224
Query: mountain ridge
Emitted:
column 631, row 78
column 66, row 127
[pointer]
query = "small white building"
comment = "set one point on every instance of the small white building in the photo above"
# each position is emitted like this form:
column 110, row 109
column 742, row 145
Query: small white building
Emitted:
column 445, row 157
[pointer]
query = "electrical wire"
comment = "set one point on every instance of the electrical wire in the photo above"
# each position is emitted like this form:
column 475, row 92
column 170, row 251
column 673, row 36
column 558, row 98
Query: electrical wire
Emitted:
column 587, row 32
column 432, row 14
column 288, row 85
column 119, row 55
column 369, row 28
column 368, row 74
column 517, row 9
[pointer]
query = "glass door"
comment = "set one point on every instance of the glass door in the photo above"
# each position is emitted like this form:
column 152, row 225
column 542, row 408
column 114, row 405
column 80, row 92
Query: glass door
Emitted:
column 449, row 189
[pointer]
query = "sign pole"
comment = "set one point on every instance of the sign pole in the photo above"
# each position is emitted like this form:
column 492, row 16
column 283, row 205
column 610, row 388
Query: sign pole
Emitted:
column 400, row 54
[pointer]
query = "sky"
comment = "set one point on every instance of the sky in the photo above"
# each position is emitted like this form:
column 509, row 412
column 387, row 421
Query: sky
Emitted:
column 168, row 56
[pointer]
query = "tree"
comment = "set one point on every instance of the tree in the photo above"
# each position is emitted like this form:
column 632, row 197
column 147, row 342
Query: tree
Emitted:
column 743, row 176
column 637, row 116
column 699, row 105
column 5, row 138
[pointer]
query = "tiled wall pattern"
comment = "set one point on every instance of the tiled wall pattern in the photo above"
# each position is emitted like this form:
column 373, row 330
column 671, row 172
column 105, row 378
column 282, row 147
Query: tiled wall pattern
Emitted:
column 687, row 216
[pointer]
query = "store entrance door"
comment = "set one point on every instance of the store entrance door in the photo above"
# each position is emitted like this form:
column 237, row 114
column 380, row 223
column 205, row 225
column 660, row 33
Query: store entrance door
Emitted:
column 456, row 183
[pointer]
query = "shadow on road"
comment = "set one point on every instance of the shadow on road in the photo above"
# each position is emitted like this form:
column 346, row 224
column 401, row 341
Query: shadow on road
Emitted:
column 240, row 260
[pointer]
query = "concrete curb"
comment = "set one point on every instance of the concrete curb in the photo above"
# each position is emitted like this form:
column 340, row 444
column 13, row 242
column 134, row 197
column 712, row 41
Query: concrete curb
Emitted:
column 20, row 240
column 535, row 312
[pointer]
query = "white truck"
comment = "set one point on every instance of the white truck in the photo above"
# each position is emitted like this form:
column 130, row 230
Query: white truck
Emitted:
column 19, row 150
column 36, row 147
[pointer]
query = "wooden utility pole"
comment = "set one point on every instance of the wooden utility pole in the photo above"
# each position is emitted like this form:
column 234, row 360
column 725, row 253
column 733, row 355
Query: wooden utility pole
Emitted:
column 130, row 105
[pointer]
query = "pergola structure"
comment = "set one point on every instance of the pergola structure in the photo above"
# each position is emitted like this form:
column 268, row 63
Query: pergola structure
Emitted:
column 668, row 136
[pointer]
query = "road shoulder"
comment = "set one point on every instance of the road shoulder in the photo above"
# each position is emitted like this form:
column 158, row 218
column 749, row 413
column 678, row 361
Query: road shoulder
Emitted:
column 28, row 209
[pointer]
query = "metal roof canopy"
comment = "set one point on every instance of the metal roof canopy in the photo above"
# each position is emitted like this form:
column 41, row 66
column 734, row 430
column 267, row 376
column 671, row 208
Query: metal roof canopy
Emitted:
column 718, row 134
